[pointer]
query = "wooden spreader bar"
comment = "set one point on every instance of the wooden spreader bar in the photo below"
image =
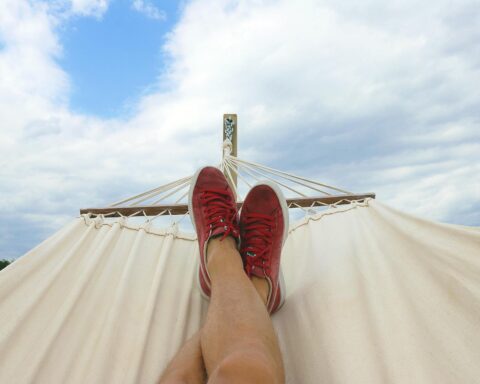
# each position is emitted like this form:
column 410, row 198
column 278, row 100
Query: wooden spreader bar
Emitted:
column 180, row 209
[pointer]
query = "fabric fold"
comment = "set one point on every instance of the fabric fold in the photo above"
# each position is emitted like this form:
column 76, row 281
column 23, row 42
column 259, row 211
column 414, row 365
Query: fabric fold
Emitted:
column 374, row 295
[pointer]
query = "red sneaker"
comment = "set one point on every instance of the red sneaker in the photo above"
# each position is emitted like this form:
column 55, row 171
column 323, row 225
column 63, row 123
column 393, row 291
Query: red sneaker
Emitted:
column 213, row 211
column 264, row 228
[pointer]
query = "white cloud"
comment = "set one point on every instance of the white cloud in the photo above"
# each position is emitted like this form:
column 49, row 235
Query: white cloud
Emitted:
column 148, row 9
column 31, row 82
column 380, row 97
column 95, row 8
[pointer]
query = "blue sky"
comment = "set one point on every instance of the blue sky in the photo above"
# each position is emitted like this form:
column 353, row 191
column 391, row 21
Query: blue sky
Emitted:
column 114, row 59
column 102, row 99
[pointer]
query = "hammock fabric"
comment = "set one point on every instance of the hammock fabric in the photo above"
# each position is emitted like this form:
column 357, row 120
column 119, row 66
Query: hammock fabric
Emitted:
column 374, row 296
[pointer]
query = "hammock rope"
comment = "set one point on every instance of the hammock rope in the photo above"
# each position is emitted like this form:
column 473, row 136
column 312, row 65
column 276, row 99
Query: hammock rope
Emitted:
column 239, row 172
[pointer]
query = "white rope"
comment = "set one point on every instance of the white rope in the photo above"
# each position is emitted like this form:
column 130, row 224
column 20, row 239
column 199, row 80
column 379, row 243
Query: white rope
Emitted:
column 274, row 180
column 109, row 214
column 182, row 197
column 172, row 193
column 227, row 147
column 149, row 220
column 295, row 205
column 290, row 176
column 182, row 217
column 247, row 171
column 235, row 170
column 153, row 192
column 135, row 213
column 179, row 185
column 231, row 180
column 230, row 166
column 263, row 173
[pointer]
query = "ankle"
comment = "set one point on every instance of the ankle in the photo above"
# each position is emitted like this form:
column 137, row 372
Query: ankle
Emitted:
column 222, row 255
column 216, row 245
column 262, row 287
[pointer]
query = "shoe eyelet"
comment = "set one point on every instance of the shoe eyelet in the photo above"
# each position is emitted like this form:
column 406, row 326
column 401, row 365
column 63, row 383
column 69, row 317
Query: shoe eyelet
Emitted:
column 225, row 227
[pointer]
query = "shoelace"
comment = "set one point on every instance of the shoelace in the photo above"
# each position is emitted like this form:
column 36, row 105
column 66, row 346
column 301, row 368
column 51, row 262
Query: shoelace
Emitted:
column 257, row 241
column 220, row 212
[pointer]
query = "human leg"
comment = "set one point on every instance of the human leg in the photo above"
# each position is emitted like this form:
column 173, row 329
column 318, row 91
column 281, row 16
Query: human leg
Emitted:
column 238, row 341
column 187, row 366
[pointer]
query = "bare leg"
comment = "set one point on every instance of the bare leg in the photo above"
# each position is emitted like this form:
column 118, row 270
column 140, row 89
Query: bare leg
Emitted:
column 238, row 341
column 187, row 366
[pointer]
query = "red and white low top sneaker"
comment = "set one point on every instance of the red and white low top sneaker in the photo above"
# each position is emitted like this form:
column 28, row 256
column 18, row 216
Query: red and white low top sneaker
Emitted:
column 264, row 228
column 213, row 211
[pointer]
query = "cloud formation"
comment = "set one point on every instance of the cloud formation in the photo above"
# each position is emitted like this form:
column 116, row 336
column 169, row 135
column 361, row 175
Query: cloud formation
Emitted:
column 148, row 9
column 95, row 8
column 378, row 97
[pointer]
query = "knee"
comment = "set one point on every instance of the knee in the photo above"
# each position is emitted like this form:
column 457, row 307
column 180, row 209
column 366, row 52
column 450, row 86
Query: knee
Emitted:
column 246, row 367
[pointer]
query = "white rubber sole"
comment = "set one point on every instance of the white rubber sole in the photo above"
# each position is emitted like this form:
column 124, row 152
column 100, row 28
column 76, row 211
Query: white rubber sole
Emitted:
column 193, row 182
column 283, row 289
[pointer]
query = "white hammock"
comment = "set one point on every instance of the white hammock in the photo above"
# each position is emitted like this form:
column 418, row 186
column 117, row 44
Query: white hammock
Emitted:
column 373, row 296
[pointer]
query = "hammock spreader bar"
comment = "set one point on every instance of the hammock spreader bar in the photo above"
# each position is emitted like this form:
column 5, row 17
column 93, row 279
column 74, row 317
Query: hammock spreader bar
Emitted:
column 180, row 209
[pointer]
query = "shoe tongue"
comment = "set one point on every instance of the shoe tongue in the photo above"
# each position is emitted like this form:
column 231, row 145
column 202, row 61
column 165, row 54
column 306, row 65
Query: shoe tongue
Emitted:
column 217, row 231
column 257, row 272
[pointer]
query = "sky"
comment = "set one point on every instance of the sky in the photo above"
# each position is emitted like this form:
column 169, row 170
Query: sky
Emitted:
column 102, row 99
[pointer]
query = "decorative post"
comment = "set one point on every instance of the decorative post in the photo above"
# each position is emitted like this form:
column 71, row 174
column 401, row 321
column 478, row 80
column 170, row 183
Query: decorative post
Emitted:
column 230, row 129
